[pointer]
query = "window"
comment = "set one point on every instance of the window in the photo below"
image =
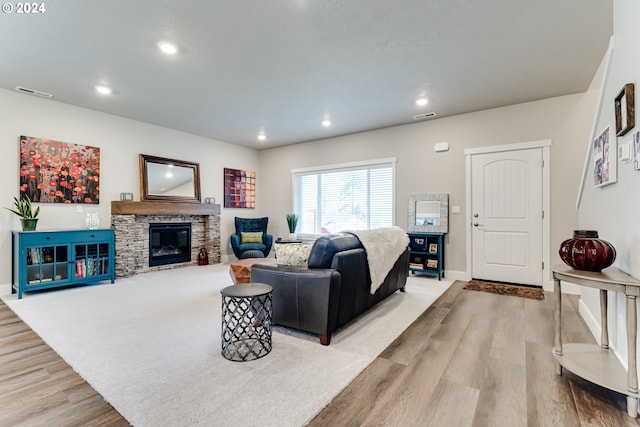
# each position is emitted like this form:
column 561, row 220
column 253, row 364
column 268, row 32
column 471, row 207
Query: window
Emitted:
column 344, row 197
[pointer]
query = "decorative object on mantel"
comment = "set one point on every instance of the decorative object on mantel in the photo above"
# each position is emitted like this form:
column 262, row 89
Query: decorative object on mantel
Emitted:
column 292, row 223
column 239, row 188
column 585, row 251
column 58, row 172
column 625, row 110
column 92, row 221
column 24, row 209
column 126, row 197
column 605, row 159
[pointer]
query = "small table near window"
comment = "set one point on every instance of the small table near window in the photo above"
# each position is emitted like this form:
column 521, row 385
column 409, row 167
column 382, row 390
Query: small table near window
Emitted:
column 592, row 362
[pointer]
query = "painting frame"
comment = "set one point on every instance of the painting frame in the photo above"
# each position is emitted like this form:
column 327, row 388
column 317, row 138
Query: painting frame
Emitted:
column 58, row 172
column 605, row 159
column 625, row 109
column 239, row 189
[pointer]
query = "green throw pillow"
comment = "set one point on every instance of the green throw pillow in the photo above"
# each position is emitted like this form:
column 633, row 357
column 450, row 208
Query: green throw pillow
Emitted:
column 252, row 237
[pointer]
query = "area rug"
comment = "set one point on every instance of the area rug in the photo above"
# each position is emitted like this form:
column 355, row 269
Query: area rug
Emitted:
column 505, row 289
column 150, row 345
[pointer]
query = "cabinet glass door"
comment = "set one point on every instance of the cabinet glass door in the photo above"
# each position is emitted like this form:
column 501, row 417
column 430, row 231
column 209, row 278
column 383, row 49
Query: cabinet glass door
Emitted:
column 47, row 264
column 92, row 259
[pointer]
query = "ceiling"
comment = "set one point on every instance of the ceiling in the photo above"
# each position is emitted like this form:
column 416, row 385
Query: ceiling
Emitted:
column 282, row 66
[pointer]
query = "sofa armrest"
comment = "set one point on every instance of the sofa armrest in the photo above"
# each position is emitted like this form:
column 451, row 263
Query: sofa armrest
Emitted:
column 303, row 298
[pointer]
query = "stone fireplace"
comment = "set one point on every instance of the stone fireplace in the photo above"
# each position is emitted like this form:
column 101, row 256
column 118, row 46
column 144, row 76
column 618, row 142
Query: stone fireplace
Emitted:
column 131, row 222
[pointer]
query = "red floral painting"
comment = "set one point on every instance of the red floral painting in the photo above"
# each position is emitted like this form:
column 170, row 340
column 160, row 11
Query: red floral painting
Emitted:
column 58, row 172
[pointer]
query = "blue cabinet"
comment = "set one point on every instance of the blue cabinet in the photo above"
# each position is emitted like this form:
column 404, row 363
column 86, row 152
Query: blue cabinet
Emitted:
column 50, row 259
column 427, row 253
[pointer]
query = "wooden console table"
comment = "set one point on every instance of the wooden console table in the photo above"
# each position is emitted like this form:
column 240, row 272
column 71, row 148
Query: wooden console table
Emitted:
column 592, row 362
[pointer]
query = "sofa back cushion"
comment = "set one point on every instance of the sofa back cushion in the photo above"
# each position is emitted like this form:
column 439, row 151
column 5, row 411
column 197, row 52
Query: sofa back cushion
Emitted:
column 326, row 247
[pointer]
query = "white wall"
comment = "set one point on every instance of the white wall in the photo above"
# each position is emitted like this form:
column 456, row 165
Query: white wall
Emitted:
column 420, row 170
column 120, row 141
column 613, row 210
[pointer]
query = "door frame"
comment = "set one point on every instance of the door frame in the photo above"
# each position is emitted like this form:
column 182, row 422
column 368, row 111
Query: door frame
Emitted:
column 545, row 145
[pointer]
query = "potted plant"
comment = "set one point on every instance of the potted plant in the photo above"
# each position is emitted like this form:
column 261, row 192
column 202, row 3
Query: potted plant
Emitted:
column 292, row 223
column 24, row 209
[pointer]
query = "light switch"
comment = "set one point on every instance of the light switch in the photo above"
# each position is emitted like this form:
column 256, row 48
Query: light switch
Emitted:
column 455, row 209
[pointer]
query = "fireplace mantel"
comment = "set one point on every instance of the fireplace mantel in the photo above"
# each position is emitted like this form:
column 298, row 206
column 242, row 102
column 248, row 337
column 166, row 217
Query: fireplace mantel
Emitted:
column 162, row 208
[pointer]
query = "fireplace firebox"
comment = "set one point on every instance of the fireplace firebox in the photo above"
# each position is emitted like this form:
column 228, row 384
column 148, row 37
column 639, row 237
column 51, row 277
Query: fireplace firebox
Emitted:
column 169, row 243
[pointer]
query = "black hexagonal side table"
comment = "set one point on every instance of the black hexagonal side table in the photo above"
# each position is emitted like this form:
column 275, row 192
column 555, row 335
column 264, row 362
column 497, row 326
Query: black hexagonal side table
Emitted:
column 246, row 321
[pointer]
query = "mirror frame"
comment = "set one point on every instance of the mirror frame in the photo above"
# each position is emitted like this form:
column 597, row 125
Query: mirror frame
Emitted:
column 144, row 179
column 443, row 198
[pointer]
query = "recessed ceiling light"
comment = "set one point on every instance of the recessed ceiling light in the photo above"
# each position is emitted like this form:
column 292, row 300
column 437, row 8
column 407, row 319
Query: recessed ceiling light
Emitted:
column 168, row 48
column 326, row 123
column 262, row 137
column 103, row 90
column 421, row 101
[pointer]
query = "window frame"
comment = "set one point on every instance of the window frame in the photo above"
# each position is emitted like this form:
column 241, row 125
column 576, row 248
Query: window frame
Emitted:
column 359, row 165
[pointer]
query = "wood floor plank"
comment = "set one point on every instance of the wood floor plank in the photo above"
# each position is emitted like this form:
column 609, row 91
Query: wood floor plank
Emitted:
column 452, row 404
column 469, row 360
column 550, row 400
column 503, row 395
column 405, row 401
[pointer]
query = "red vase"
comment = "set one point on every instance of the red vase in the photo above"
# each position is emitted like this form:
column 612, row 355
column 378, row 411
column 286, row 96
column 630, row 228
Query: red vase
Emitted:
column 585, row 251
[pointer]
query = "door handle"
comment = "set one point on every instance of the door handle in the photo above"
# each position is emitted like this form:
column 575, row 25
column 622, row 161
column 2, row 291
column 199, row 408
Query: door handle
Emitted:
column 475, row 224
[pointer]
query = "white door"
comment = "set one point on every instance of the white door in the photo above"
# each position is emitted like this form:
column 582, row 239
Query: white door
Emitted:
column 507, row 212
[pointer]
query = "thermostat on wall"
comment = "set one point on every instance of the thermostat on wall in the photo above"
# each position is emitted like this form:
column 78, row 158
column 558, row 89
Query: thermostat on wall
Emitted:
column 624, row 152
column 441, row 146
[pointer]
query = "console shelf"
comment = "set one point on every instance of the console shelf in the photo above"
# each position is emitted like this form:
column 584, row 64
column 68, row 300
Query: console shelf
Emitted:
column 50, row 259
column 592, row 362
column 427, row 254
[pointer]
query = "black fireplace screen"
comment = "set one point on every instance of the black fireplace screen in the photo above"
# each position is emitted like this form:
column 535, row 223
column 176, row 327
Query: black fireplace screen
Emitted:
column 169, row 243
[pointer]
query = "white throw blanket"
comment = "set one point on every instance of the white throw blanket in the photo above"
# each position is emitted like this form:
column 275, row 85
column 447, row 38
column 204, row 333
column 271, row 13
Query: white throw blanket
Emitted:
column 383, row 246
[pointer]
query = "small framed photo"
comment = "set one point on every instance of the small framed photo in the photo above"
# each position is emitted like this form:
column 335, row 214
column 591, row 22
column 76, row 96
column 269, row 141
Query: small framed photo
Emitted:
column 418, row 243
column 625, row 110
column 605, row 159
column 432, row 263
column 433, row 248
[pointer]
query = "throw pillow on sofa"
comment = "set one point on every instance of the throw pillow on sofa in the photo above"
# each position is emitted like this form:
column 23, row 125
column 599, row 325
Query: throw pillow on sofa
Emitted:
column 293, row 254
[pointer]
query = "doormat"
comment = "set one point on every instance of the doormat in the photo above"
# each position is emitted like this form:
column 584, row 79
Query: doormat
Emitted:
column 505, row 289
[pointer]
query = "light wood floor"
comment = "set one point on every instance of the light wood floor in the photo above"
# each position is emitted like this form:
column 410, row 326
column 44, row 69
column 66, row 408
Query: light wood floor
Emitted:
column 472, row 359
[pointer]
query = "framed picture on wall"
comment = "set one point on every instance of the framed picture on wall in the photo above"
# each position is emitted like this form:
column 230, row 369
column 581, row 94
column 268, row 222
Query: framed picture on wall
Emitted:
column 59, row 172
column 625, row 110
column 605, row 159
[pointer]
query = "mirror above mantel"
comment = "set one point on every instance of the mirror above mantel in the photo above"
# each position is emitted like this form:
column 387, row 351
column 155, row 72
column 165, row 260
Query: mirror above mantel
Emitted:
column 428, row 213
column 169, row 180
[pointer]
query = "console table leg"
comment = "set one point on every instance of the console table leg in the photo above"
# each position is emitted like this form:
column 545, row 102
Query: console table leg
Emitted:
column 604, row 319
column 632, row 374
column 632, row 407
column 557, row 314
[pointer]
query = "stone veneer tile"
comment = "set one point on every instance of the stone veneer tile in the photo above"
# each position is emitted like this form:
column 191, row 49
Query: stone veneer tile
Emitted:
column 132, row 241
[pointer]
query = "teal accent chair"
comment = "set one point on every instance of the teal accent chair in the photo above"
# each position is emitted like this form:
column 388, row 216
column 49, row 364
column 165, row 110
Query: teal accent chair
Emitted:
column 251, row 250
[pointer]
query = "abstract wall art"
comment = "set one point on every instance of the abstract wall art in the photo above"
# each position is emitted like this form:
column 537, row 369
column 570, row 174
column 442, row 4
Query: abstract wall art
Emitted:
column 239, row 188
